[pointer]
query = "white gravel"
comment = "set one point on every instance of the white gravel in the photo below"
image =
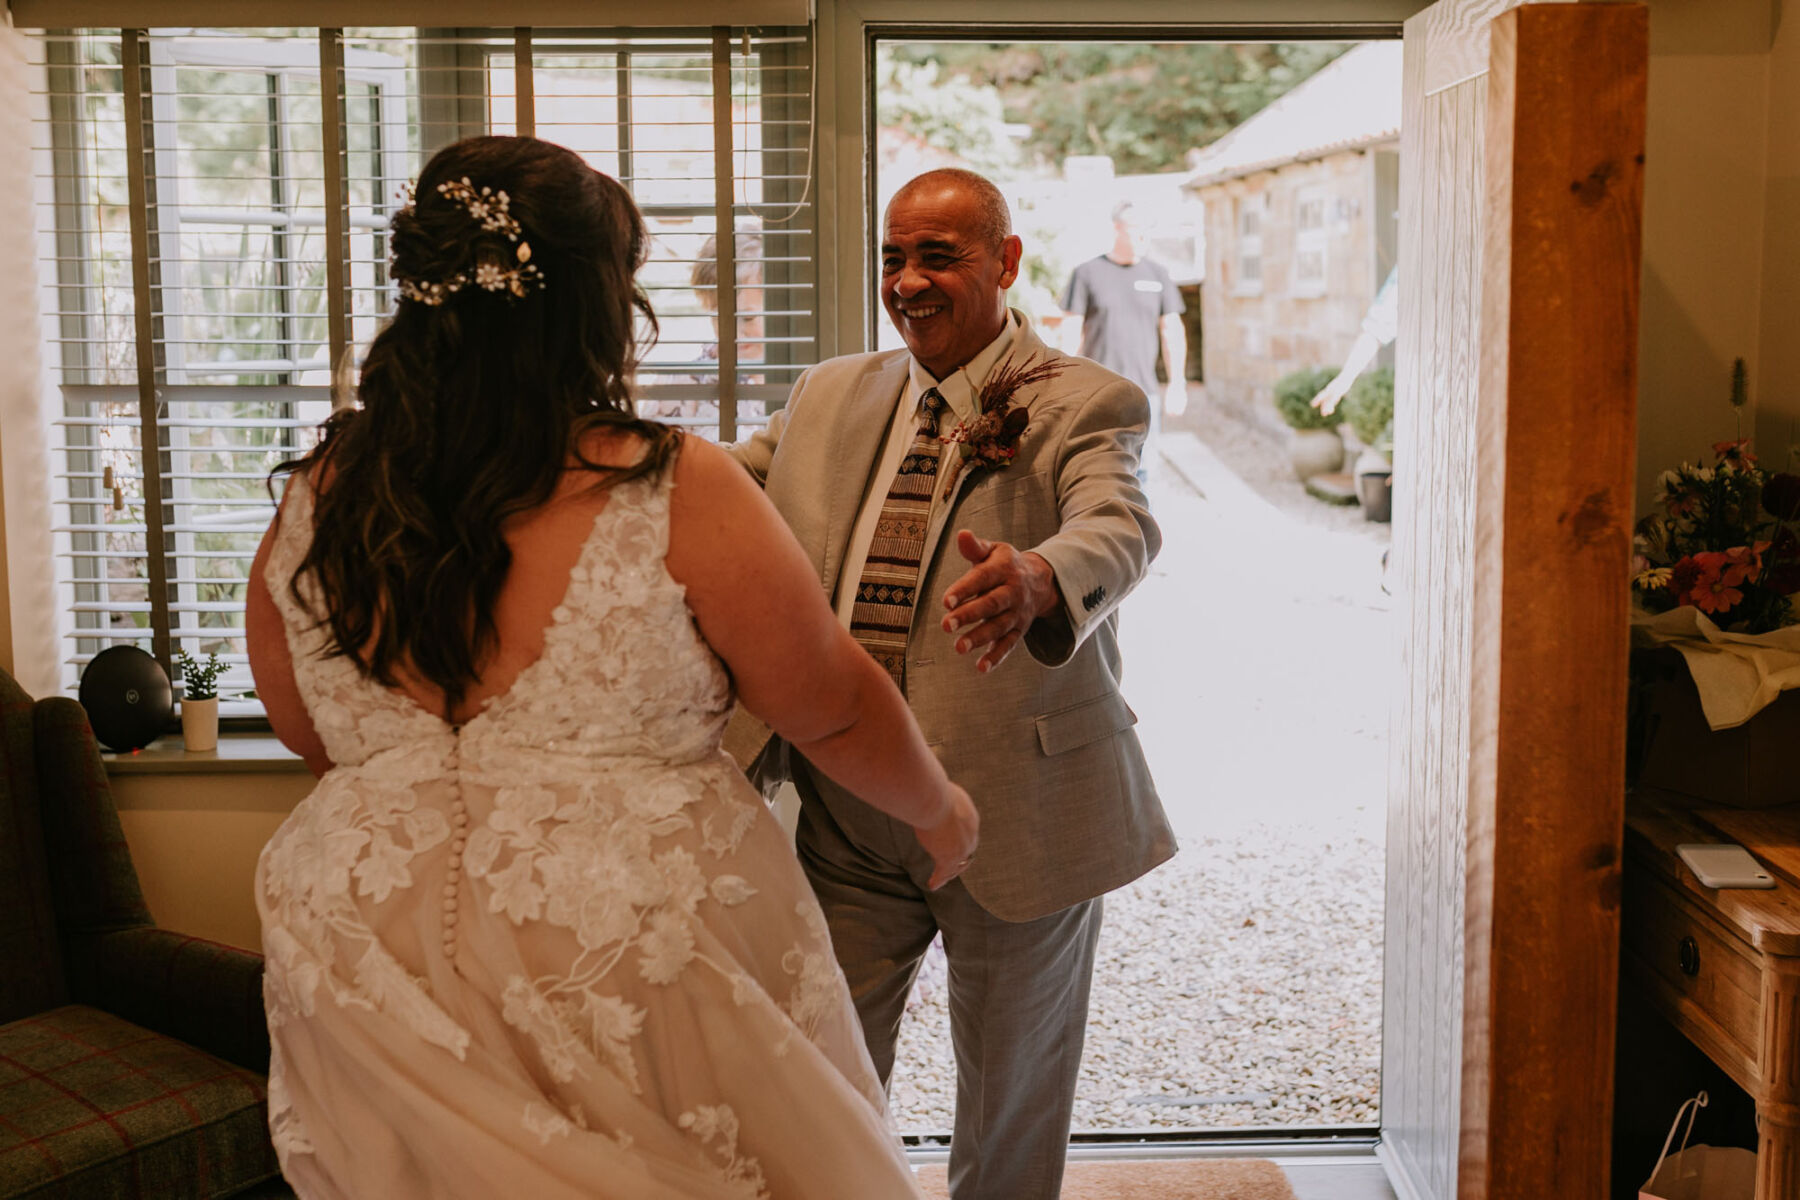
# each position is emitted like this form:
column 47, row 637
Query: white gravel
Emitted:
column 1239, row 985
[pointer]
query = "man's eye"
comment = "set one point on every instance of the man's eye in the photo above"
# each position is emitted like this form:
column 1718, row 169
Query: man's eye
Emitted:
column 938, row 261
column 889, row 265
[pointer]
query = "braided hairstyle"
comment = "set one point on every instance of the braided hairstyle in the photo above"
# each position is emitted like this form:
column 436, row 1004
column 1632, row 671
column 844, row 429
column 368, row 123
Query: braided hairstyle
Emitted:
column 474, row 401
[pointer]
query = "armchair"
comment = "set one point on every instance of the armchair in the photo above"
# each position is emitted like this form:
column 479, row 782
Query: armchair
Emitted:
column 133, row 1060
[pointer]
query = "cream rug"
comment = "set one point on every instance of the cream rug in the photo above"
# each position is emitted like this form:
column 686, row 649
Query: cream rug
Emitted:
column 1173, row 1179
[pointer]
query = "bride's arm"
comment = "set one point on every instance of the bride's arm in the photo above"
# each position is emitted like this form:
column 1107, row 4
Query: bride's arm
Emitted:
column 272, row 666
column 759, row 604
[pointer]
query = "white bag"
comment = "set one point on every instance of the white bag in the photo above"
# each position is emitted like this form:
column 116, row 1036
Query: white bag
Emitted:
column 1700, row 1172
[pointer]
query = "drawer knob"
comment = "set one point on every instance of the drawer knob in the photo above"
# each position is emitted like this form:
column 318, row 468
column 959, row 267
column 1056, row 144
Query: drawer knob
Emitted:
column 1688, row 955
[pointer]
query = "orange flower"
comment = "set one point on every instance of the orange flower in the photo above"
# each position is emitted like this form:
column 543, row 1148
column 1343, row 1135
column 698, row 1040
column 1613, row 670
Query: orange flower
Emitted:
column 1735, row 453
column 1713, row 591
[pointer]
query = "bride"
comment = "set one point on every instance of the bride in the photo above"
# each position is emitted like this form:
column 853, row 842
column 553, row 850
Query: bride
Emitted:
column 532, row 934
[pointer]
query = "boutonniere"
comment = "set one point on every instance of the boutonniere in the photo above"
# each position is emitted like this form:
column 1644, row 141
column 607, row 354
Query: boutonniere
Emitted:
column 991, row 437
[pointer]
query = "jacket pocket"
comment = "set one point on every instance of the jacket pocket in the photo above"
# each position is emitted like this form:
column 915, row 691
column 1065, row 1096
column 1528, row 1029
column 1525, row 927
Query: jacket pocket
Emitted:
column 1086, row 722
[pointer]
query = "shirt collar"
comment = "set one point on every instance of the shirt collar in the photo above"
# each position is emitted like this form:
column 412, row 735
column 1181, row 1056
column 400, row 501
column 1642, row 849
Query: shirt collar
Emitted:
column 959, row 387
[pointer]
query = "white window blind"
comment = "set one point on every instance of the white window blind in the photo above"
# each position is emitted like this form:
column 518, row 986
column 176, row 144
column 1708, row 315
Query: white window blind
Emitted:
column 213, row 229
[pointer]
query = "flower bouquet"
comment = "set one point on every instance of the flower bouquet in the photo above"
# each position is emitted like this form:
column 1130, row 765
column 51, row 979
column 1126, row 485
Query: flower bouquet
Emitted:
column 1727, row 542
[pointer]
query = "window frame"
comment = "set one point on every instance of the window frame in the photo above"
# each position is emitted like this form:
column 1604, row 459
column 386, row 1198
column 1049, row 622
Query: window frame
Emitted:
column 162, row 548
column 1315, row 239
column 1247, row 245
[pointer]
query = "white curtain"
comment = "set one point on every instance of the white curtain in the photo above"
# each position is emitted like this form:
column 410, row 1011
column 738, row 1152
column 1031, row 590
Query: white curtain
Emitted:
column 28, row 641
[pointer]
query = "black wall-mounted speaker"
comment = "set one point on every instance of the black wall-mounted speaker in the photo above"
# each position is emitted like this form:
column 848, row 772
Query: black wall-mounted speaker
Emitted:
column 128, row 698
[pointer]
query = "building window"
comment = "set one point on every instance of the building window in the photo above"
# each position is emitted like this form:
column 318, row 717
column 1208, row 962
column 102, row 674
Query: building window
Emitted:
column 216, row 209
column 1311, row 250
column 1249, row 245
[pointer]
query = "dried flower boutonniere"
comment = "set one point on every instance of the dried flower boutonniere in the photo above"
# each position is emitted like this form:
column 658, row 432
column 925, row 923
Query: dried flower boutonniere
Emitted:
column 991, row 438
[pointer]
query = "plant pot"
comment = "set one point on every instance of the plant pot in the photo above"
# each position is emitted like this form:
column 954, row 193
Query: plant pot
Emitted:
column 1374, row 485
column 200, row 724
column 1315, row 452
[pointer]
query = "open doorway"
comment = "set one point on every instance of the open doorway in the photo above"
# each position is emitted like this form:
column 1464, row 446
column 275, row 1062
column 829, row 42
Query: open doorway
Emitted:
column 1239, row 986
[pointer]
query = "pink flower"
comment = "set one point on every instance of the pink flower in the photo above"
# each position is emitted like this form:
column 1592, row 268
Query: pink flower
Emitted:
column 1745, row 563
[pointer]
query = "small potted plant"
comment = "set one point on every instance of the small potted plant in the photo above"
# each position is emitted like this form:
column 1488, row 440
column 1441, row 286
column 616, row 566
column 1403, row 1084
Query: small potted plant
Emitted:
column 1316, row 448
column 1368, row 410
column 200, row 700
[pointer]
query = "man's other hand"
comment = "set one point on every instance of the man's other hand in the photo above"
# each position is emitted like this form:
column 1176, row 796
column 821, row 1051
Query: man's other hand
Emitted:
column 997, row 599
column 1175, row 397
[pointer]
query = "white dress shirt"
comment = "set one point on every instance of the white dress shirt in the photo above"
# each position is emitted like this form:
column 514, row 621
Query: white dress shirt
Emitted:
column 958, row 390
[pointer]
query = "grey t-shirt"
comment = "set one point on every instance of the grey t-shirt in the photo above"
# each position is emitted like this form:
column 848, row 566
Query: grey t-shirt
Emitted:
column 1120, row 307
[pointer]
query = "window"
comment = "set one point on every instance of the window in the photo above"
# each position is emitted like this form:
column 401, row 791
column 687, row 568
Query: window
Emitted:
column 189, row 211
column 1311, row 259
column 1249, row 244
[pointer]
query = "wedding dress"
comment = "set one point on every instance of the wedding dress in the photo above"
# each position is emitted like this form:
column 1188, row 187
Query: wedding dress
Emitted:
column 563, row 949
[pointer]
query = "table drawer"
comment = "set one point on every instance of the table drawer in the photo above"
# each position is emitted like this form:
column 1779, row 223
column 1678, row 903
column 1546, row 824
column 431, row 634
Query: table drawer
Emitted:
column 1694, row 964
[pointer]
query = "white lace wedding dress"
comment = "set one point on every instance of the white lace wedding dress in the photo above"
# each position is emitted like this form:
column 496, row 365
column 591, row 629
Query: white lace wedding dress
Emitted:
column 562, row 950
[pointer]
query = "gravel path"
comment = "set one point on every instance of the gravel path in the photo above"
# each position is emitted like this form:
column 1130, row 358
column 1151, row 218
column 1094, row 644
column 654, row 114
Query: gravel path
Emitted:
column 1239, row 985
column 1227, row 995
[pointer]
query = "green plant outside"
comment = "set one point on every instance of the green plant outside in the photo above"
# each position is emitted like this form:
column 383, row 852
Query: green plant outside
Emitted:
column 1368, row 407
column 1293, row 398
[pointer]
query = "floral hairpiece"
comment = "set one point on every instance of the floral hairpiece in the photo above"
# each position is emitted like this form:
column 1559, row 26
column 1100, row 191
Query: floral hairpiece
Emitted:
column 492, row 210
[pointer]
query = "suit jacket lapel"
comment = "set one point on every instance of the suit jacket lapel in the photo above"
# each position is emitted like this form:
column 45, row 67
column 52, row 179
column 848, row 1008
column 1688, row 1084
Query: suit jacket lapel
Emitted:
column 1026, row 343
column 861, row 432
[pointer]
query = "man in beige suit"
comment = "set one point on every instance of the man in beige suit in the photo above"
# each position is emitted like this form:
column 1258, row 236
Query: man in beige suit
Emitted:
column 1044, row 548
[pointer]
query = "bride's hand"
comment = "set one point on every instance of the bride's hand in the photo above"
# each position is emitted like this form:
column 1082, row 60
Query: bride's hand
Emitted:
column 951, row 841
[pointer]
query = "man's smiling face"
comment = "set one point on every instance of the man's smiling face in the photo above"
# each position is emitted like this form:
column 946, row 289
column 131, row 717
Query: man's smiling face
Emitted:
column 943, row 280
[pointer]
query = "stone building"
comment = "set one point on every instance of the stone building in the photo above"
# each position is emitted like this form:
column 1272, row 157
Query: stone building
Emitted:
column 1301, row 221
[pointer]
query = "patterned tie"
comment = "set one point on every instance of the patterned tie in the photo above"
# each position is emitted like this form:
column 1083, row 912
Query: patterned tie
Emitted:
column 881, row 617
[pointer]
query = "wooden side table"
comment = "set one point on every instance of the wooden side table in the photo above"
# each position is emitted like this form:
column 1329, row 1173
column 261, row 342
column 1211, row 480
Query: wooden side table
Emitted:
column 1723, row 966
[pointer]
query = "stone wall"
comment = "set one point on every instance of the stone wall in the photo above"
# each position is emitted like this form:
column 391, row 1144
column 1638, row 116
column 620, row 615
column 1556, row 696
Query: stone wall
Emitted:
column 1256, row 334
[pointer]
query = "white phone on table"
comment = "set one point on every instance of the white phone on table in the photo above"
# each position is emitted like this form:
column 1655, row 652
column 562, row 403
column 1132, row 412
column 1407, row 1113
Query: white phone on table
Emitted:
column 1724, row 865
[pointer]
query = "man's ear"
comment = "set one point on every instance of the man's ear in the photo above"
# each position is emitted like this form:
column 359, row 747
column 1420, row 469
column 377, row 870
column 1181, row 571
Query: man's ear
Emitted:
column 1010, row 252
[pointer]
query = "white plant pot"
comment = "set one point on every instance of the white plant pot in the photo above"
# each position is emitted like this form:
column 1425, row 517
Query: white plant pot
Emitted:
column 1316, row 452
column 200, row 724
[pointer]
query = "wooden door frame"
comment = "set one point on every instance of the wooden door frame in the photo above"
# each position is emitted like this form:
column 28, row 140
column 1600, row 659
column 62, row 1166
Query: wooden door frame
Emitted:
column 1558, row 408
column 1526, row 131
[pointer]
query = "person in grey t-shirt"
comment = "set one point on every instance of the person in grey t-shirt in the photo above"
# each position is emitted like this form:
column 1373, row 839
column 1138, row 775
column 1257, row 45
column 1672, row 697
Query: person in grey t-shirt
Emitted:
column 1121, row 305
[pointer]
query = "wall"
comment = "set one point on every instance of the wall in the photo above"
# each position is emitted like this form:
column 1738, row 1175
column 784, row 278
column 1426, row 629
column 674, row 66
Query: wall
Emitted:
column 1707, row 200
column 1778, row 373
column 27, row 616
column 195, row 839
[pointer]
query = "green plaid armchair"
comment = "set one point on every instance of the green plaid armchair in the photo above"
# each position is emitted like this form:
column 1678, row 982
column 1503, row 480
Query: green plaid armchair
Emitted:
column 132, row 1059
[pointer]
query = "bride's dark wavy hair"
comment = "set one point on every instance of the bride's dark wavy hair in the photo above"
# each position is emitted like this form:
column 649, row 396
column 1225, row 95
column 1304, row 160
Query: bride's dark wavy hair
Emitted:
column 472, row 409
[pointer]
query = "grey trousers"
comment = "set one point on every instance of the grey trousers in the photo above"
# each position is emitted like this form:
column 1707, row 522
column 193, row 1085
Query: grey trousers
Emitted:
column 1018, row 991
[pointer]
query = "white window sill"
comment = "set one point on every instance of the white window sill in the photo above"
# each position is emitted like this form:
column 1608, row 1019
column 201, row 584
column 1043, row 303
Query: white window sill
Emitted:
column 238, row 754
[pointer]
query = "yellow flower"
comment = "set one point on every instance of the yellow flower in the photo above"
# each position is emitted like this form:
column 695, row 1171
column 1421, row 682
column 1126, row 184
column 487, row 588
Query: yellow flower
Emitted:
column 1655, row 577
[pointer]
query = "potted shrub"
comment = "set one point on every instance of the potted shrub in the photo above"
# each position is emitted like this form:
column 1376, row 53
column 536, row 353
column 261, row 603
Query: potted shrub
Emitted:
column 1368, row 410
column 1316, row 448
column 200, row 701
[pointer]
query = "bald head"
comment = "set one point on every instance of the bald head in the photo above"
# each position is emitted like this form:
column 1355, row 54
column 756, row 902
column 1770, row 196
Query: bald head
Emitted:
column 947, row 257
column 984, row 203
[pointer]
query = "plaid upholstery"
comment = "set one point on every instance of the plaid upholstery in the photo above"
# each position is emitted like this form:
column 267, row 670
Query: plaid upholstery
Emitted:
column 206, row 994
column 91, row 875
column 31, row 974
column 93, row 1107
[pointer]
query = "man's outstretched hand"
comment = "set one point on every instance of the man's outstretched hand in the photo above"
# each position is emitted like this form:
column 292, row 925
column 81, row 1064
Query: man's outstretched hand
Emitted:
column 997, row 598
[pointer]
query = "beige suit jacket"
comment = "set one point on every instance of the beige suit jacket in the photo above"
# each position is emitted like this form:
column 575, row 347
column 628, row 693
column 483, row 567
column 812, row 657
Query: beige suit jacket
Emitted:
column 1044, row 744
